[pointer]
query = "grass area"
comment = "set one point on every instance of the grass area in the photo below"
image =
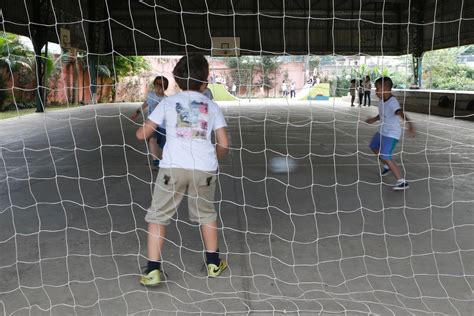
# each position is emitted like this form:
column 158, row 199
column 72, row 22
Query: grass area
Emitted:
column 220, row 93
column 10, row 114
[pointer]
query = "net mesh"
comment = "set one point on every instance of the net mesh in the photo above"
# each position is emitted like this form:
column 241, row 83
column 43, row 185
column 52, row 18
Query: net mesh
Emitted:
column 306, row 222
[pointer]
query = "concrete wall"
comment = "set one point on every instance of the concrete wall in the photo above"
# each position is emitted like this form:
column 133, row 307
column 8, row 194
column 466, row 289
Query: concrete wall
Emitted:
column 426, row 101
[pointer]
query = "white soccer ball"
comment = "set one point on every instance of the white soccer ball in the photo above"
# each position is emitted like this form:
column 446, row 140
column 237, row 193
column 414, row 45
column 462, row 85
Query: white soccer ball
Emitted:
column 282, row 164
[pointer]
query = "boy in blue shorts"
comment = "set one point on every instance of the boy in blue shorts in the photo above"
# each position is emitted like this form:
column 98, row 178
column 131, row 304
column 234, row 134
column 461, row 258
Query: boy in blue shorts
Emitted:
column 189, row 164
column 384, row 141
column 158, row 139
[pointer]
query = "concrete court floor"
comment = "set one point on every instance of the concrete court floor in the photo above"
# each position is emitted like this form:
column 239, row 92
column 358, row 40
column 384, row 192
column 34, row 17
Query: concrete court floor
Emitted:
column 329, row 238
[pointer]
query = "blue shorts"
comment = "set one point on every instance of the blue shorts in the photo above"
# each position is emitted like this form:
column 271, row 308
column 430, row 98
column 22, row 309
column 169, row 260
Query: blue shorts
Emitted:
column 384, row 145
column 160, row 134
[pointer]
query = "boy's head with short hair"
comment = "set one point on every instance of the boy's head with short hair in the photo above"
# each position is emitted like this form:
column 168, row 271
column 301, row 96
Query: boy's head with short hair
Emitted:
column 191, row 72
column 383, row 87
column 160, row 84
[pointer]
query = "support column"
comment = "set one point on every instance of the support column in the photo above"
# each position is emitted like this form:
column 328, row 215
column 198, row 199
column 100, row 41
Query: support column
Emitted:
column 417, row 42
column 417, row 70
column 39, row 37
column 40, row 101
column 92, row 61
column 96, row 12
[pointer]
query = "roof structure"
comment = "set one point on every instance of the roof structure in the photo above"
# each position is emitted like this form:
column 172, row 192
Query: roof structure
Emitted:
column 165, row 27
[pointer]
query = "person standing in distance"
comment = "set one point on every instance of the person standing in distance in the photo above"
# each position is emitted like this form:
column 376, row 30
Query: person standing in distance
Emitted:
column 367, row 90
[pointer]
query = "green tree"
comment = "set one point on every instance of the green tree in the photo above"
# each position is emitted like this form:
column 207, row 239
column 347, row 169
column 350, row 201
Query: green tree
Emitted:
column 340, row 84
column 244, row 69
column 314, row 63
column 13, row 56
column 441, row 70
column 267, row 68
column 241, row 70
column 119, row 66
column 400, row 80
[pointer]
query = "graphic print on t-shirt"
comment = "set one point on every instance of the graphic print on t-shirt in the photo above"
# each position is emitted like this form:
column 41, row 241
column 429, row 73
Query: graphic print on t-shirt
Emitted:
column 192, row 121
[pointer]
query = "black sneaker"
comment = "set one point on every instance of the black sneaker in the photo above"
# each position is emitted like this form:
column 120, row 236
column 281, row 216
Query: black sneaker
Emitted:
column 385, row 171
column 400, row 186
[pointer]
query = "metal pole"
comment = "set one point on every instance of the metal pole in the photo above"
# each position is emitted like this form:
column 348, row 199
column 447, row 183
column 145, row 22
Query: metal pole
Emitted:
column 45, row 76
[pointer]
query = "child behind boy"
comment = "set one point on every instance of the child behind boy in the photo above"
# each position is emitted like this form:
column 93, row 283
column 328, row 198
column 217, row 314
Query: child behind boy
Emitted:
column 189, row 163
column 352, row 91
column 158, row 139
column 384, row 141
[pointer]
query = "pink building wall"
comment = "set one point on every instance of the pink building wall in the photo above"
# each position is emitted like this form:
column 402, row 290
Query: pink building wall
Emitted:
column 60, row 86
column 134, row 88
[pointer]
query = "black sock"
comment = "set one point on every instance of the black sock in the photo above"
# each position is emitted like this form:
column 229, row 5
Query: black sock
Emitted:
column 213, row 257
column 153, row 265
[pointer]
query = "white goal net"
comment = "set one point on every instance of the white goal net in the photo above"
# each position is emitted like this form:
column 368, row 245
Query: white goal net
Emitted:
column 306, row 221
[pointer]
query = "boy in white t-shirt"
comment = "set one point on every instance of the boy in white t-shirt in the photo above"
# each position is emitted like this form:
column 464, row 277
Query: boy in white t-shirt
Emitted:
column 284, row 89
column 293, row 90
column 189, row 164
column 384, row 141
column 157, row 141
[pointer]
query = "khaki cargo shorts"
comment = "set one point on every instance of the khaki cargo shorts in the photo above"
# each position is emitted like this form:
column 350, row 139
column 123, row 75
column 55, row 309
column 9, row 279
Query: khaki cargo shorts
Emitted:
column 170, row 188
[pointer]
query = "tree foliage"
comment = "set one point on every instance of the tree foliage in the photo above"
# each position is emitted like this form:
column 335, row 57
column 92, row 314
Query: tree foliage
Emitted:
column 267, row 67
column 399, row 79
column 118, row 66
column 13, row 56
column 314, row 63
column 244, row 69
column 441, row 70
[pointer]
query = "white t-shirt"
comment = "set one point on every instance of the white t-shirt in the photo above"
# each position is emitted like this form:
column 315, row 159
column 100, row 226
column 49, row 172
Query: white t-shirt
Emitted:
column 152, row 99
column 389, row 121
column 189, row 118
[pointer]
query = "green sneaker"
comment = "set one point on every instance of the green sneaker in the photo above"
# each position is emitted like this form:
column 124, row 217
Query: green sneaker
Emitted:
column 151, row 278
column 214, row 271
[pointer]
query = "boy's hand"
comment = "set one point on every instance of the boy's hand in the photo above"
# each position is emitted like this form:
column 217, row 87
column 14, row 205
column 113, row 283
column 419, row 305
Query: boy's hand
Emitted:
column 134, row 115
column 371, row 120
column 411, row 129
column 146, row 130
